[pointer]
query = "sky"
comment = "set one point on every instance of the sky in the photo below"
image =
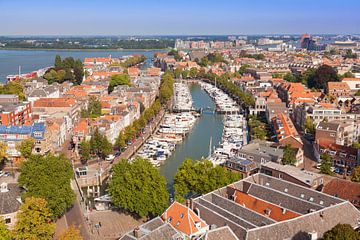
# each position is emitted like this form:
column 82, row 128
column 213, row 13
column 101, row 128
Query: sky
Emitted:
column 173, row 17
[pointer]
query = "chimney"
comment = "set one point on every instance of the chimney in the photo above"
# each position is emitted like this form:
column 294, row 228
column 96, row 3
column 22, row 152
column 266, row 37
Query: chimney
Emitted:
column 137, row 232
column 188, row 203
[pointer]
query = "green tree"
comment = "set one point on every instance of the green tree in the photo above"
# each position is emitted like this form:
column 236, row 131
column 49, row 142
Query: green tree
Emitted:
column 185, row 74
column 322, row 76
column 84, row 151
column 138, row 188
column 58, row 62
column 93, row 109
column 78, row 71
column 290, row 77
column 118, row 79
column 309, row 126
column 193, row 72
column 26, row 147
column 48, row 177
column 356, row 145
column 258, row 129
column 177, row 73
column 3, row 148
column 355, row 176
column 176, row 55
column 121, row 140
column 200, row 177
column 99, row 144
column 5, row 234
column 13, row 87
column 68, row 62
column 289, row 157
column 347, row 75
column 341, row 232
column 326, row 164
column 34, row 221
column 72, row 233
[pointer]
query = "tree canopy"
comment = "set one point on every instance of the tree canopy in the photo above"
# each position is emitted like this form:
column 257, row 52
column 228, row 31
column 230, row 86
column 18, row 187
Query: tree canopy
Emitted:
column 289, row 157
column 139, row 188
column 200, row 177
column 84, row 151
column 25, row 147
column 322, row 76
column 93, row 109
column 326, row 164
column 68, row 69
column 5, row 233
column 258, row 129
column 341, row 232
column 48, row 177
column 166, row 87
column 99, row 144
column 117, row 80
column 72, row 233
column 355, row 175
column 133, row 60
column 13, row 87
column 34, row 221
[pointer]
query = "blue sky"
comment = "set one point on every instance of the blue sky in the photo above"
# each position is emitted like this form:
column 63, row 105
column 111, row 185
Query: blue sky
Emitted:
column 185, row 17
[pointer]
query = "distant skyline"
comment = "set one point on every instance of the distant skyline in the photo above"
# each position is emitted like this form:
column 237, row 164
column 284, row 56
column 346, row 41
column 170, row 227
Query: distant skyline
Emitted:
column 186, row 17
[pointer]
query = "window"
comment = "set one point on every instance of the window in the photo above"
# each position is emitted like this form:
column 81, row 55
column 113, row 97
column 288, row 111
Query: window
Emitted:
column 7, row 220
column 302, row 195
column 285, row 190
column 178, row 223
column 181, row 215
column 321, row 202
column 170, row 219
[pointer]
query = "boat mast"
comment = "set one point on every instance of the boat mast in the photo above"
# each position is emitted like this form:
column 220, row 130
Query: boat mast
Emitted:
column 210, row 146
column 19, row 70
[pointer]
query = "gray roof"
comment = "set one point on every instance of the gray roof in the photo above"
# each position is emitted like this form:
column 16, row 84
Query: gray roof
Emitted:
column 155, row 229
column 330, row 126
column 8, row 200
column 222, row 233
column 304, row 176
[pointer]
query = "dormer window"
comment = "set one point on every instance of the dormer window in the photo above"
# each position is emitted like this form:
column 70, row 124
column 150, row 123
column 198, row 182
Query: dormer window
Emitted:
column 181, row 215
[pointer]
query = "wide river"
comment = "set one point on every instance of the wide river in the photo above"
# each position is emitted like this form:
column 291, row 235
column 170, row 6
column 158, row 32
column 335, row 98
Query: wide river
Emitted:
column 31, row 60
column 197, row 144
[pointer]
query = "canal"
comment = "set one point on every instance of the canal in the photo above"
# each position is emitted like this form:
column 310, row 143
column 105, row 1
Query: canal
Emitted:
column 196, row 145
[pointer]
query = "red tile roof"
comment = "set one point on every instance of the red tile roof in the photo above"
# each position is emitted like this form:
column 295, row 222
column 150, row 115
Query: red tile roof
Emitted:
column 344, row 189
column 260, row 206
column 55, row 102
column 183, row 219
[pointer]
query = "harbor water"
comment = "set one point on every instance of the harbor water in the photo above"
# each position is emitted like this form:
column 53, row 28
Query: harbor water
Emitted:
column 197, row 144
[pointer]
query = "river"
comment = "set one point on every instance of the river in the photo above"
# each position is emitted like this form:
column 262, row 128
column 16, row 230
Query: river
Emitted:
column 196, row 144
column 32, row 60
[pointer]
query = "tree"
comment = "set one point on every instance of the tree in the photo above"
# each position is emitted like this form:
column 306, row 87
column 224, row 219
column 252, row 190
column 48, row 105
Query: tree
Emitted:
column 175, row 53
column 290, row 77
column 118, row 79
column 93, row 110
column 84, row 151
column 26, row 147
column 139, row 188
column 326, row 164
column 341, row 232
column 3, row 148
column 121, row 140
column 78, row 72
column 177, row 73
column 193, row 72
column 34, row 221
column 355, row 176
column 72, row 233
column 4, row 231
column 200, row 177
column 309, row 126
column 322, row 76
column 258, row 129
column 289, row 157
column 347, row 75
column 99, row 144
column 58, row 63
column 13, row 87
column 48, row 177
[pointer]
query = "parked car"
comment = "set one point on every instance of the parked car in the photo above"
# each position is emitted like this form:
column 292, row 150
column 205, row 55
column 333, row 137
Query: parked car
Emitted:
column 110, row 157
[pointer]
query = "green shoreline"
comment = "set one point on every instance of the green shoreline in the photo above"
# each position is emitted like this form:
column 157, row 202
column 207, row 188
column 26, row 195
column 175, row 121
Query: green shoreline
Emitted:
column 86, row 49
